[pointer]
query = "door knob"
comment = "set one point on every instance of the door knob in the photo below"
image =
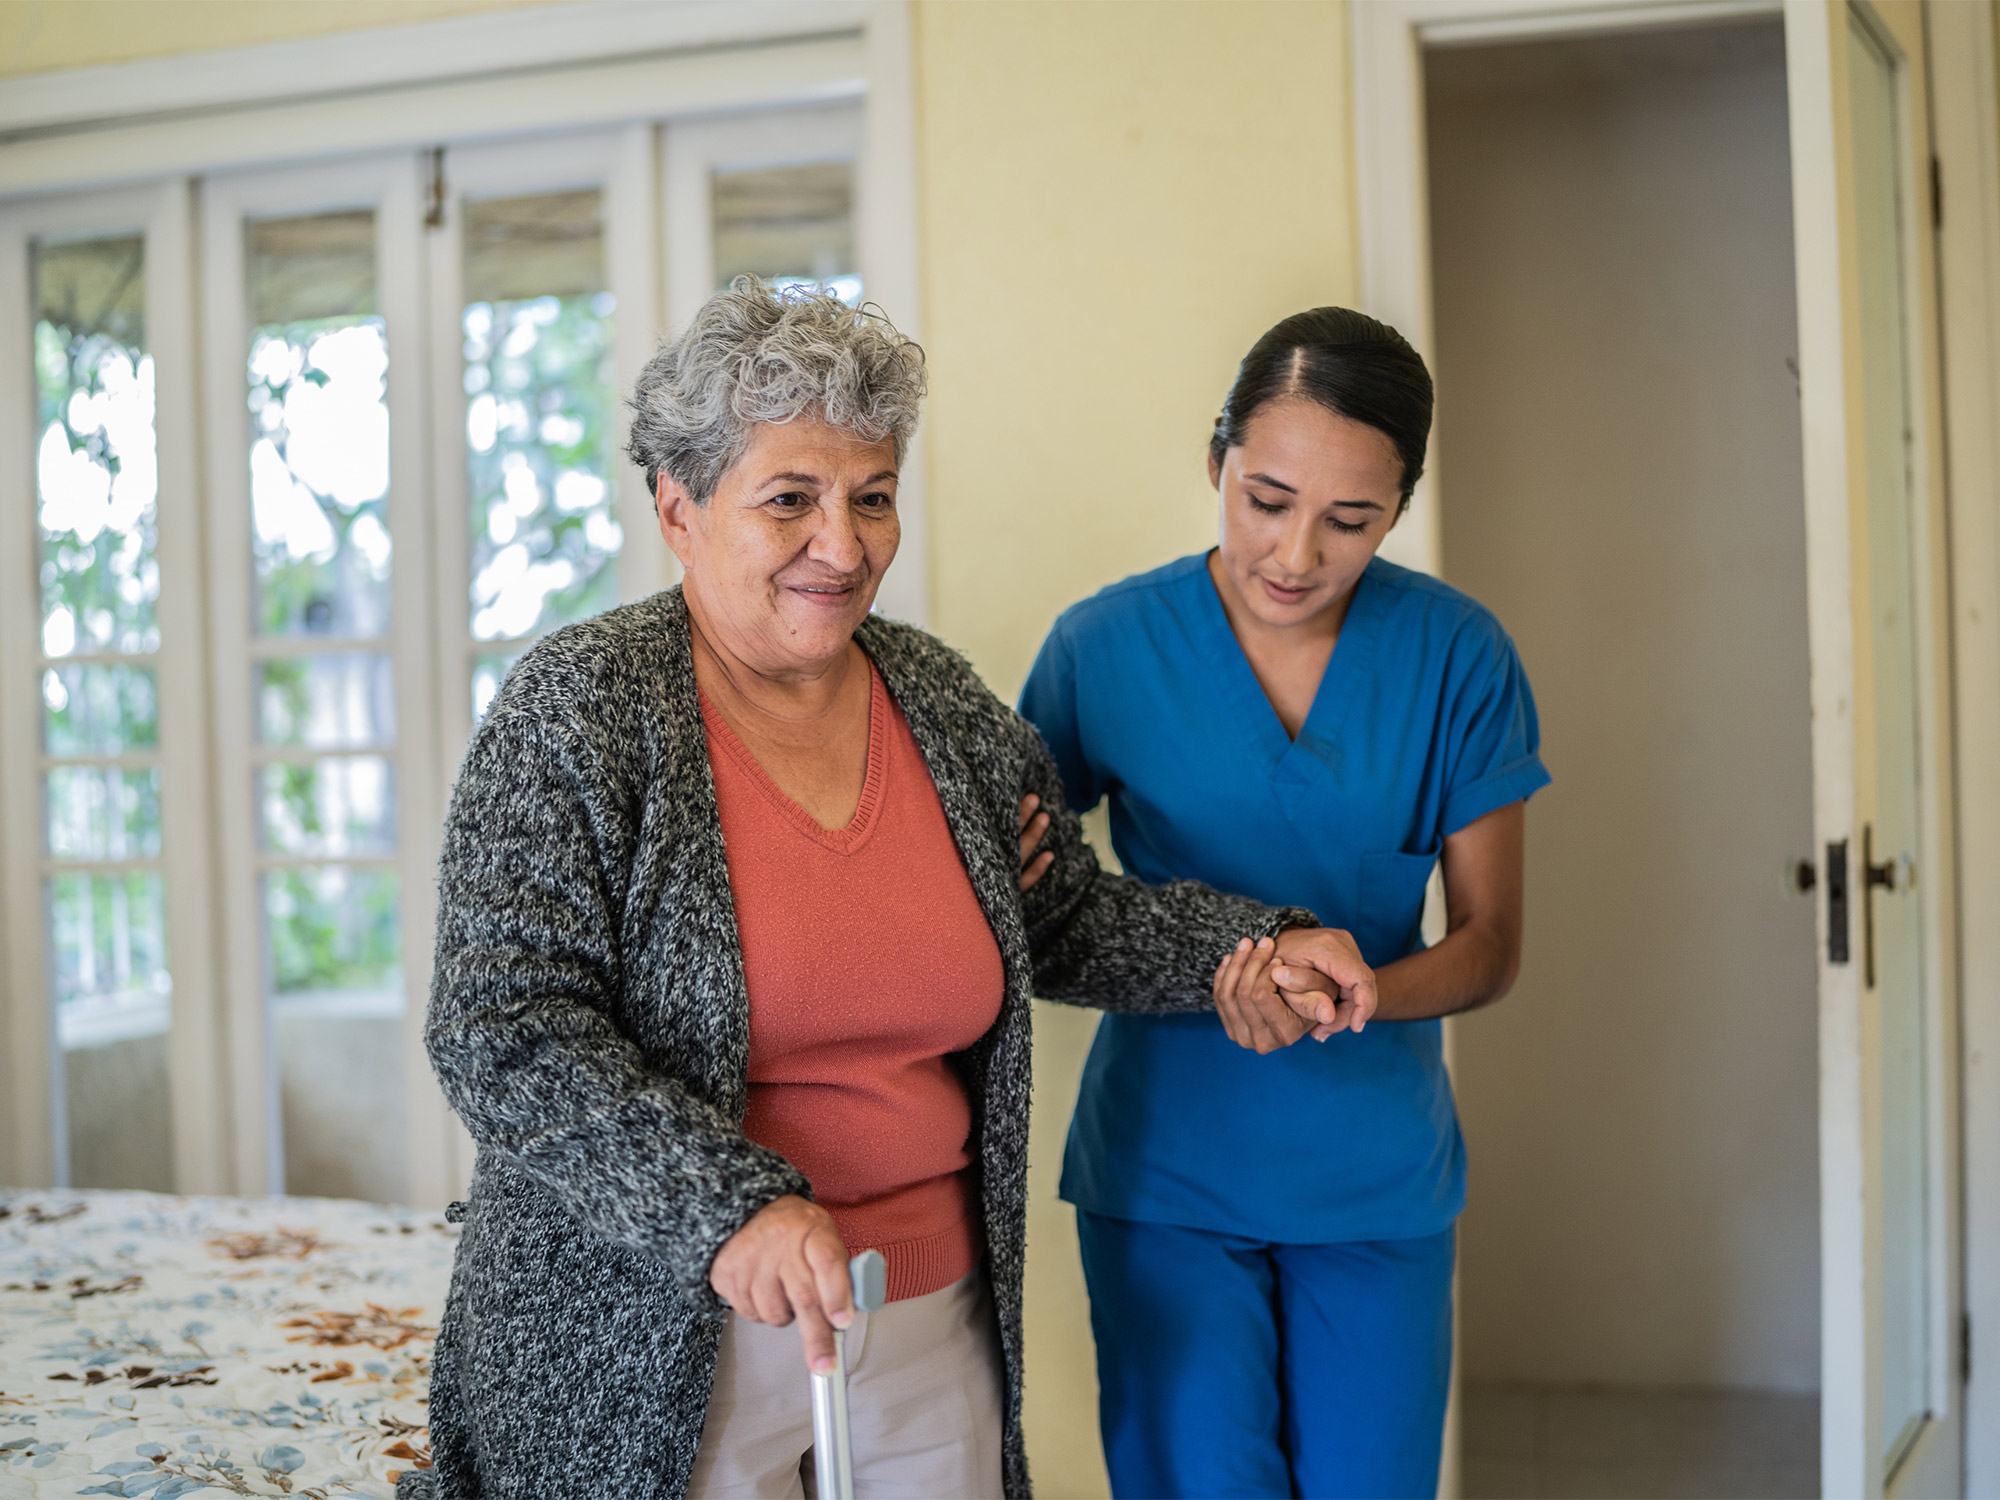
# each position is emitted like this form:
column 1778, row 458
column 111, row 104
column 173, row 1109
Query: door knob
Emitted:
column 1898, row 874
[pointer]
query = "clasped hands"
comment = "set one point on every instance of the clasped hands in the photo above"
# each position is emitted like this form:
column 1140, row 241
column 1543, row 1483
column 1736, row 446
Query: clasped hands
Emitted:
column 1270, row 992
column 1308, row 979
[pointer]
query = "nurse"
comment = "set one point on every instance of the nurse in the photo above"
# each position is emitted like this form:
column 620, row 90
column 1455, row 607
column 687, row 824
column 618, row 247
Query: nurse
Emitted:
column 1291, row 717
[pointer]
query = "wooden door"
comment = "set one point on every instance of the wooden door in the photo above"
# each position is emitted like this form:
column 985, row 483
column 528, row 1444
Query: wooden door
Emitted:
column 1862, row 175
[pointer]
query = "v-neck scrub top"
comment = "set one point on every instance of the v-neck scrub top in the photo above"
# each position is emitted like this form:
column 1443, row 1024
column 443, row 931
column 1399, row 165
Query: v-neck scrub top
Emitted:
column 1423, row 723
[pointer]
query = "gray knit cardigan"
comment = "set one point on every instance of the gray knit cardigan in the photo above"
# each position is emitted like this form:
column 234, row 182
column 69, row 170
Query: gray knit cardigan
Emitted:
column 589, row 1023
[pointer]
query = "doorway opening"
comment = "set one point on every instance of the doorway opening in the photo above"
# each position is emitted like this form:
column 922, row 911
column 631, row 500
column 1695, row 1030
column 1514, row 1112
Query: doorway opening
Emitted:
column 1616, row 337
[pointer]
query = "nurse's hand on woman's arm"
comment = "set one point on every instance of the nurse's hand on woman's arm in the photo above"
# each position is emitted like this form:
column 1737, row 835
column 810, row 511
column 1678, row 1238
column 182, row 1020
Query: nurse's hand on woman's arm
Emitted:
column 1034, row 823
column 1476, row 961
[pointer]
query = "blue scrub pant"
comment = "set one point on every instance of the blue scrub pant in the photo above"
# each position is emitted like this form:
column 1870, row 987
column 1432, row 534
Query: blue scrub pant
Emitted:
column 1231, row 1367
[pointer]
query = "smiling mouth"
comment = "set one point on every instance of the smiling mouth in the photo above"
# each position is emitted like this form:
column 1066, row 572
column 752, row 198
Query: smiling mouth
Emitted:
column 831, row 593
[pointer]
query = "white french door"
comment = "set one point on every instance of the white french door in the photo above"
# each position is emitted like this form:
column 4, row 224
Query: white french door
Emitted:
column 1892, row 1390
column 324, row 678
column 113, row 1060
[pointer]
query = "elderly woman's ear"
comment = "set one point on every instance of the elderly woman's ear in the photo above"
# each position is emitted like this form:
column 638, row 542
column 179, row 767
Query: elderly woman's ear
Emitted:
column 672, row 507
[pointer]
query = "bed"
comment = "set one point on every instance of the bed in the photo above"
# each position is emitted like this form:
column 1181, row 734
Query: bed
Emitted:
column 165, row 1346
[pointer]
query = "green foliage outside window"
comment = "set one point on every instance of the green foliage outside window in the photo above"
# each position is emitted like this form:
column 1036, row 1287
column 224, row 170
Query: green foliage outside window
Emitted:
column 333, row 928
column 94, row 402
column 538, row 459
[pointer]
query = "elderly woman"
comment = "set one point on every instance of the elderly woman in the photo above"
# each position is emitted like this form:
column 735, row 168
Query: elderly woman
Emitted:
column 743, row 895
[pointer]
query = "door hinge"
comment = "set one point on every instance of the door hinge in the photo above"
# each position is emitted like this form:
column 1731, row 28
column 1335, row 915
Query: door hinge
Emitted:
column 434, row 189
column 1937, row 192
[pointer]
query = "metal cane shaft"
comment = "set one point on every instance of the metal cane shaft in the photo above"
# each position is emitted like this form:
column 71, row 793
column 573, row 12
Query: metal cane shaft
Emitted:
column 833, row 1452
column 833, row 1447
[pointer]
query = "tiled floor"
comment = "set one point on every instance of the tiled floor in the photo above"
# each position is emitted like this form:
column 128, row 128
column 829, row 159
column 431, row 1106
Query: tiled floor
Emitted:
column 1534, row 1442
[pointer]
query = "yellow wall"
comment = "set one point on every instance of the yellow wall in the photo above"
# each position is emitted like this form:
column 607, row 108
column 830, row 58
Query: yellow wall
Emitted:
column 1117, row 199
column 37, row 35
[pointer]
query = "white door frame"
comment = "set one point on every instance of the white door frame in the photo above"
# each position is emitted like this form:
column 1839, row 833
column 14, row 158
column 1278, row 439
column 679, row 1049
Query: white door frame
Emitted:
column 1845, row 790
column 1965, row 106
column 1392, row 200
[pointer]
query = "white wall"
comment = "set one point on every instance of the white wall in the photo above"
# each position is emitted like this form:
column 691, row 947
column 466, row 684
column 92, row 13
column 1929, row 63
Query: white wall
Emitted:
column 1620, row 469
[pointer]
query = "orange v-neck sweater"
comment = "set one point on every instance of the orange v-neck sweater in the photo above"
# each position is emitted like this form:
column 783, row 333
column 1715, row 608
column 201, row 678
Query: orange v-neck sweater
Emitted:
column 868, row 963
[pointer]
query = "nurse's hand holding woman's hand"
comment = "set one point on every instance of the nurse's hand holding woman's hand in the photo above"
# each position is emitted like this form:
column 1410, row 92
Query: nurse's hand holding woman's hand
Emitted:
column 1307, row 959
column 1327, row 987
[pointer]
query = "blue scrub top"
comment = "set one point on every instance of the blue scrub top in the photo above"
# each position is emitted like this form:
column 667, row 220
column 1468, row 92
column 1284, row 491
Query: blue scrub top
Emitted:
column 1423, row 723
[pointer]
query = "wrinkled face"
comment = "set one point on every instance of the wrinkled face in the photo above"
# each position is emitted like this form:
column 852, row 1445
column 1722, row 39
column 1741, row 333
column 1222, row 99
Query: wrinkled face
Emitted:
column 784, row 560
column 1307, row 498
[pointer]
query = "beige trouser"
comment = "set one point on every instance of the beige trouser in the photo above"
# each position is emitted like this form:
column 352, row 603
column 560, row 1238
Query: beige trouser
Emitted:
column 923, row 1402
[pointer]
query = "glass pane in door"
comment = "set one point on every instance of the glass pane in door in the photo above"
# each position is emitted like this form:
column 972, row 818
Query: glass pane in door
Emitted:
column 1893, row 921
column 788, row 224
column 541, row 403
column 319, row 451
column 337, row 1001
column 103, row 899
column 322, row 684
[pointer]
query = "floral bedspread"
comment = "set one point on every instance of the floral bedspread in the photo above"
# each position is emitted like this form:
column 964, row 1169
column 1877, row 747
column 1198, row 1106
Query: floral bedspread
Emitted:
column 247, row 1346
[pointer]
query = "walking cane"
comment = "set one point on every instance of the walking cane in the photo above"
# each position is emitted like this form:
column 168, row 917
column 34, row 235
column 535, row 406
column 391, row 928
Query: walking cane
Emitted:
column 833, row 1451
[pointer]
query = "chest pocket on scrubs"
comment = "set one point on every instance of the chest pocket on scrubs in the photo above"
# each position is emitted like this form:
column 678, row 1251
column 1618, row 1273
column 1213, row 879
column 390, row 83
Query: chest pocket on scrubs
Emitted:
column 1389, row 905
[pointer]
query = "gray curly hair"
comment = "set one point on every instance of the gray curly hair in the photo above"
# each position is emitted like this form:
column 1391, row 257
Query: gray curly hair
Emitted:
column 758, row 353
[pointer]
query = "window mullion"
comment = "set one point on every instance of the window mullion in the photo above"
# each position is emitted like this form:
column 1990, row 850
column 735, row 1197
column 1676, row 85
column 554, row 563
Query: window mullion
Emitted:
column 633, row 264
column 404, row 251
column 225, row 341
column 199, row 1099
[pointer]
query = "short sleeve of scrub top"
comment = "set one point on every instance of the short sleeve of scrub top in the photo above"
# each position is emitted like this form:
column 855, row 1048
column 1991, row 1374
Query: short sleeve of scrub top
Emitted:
column 1423, row 723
